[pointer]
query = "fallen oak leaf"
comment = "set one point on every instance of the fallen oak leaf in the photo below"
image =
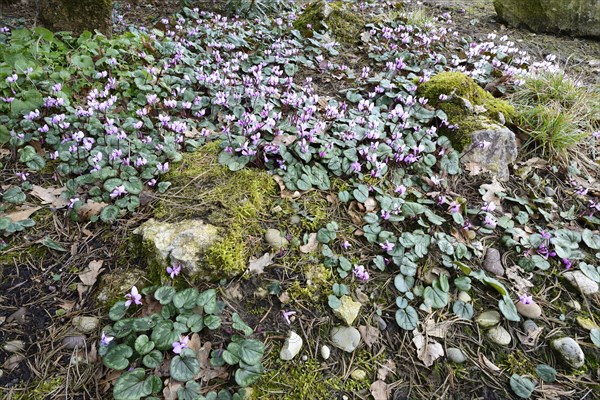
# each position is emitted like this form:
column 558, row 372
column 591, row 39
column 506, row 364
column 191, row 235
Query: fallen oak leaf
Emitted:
column 257, row 265
column 90, row 209
column 311, row 245
column 379, row 390
column 21, row 214
column 428, row 350
column 50, row 196
column 369, row 334
column 89, row 276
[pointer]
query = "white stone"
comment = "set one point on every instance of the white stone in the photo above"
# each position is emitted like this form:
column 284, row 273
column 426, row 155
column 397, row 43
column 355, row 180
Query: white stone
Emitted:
column 578, row 279
column 570, row 351
column 464, row 297
column 325, row 352
column 531, row 310
column 345, row 338
column 487, row 319
column 495, row 158
column 291, row 346
column 455, row 355
column 499, row 335
column 275, row 239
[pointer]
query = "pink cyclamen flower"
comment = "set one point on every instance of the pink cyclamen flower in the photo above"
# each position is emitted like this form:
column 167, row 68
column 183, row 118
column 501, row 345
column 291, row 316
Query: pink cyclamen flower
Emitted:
column 133, row 297
column 346, row 245
column 105, row 340
column 525, row 299
column 490, row 222
column 387, row 246
column 567, row 263
column 489, row 207
column 180, row 345
column 361, row 273
column 287, row 315
column 174, row 271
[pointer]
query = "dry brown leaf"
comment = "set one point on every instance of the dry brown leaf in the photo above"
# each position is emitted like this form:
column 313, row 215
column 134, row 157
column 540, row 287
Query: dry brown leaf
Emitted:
column 18, row 316
column 384, row 370
column 439, row 329
column 370, row 204
column 491, row 190
column 194, row 343
column 21, row 214
column 170, row 389
column 428, row 350
column 311, row 245
column 67, row 305
column 257, row 265
column 233, row 292
column 284, row 192
column 93, row 354
column 89, row 209
column 379, row 390
column 485, row 363
column 473, row 168
column 284, row 139
column 50, row 196
column 90, row 274
column 520, row 284
column 369, row 334
column 81, row 290
column 530, row 338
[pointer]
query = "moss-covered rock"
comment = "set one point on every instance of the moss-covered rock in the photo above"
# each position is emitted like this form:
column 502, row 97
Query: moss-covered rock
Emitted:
column 344, row 24
column 202, row 189
column 115, row 284
column 77, row 16
column 467, row 105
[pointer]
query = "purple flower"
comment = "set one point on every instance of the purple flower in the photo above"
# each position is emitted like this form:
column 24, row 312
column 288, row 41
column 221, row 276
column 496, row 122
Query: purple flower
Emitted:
column 133, row 297
column 484, row 144
column 105, row 340
column 162, row 167
column 489, row 221
column 346, row 245
column 287, row 315
column 387, row 246
column 525, row 299
column 545, row 235
column 181, row 344
column 173, row 272
column 118, row 191
column 454, row 207
column 489, row 207
column 401, row 189
column 361, row 273
column 567, row 263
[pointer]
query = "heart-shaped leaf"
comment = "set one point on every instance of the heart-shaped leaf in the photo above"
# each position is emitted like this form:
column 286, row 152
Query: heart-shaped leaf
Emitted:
column 184, row 366
column 117, row 357
column 132, row 385
column 164, row 294
column 523, row 387
column 143, row 345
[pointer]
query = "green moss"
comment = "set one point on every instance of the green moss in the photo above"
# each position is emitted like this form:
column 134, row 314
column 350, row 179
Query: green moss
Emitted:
column 344, row 24
column 43, row 390
column 459, row 87
column 232, row 201
column 286, row 380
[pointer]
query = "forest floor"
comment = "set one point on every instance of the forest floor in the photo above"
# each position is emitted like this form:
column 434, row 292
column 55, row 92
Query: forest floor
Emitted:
column 41, row 289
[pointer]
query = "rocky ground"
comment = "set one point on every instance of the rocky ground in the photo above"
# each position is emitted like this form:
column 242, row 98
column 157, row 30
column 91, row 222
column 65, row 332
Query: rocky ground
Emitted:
column 54, row 277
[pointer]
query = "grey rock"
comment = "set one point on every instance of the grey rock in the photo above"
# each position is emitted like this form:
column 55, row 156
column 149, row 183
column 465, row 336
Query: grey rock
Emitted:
column 493, row 262
column 275, row 239
column 579, row 280
column 496, row 158
column 575, row 17
column 348, row 310
column 569, row 351
column 574, row 304
column 499, row 335
column 180, row 242
column 488, row 318
column 85, row 324
column 464, row 297
column 456, row 355
column 291, row 346
column 381, row 324
column 345, row 338
column 531, row 310
column 529, row 326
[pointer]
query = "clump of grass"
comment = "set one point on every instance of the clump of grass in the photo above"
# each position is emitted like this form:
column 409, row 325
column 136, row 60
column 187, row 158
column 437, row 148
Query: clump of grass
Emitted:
column 557, row 113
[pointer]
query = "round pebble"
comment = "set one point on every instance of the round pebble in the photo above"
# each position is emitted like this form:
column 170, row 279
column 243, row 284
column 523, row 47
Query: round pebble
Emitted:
column 488, row 318
column 456, row 355
column 531, row 310
column 325, row 352
column 499, row 335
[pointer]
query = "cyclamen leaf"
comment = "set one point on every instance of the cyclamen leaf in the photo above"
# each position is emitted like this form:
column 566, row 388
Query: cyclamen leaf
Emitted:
column 435, row 297
column 184, row 366
column 407, row 318
column 591, row 239
column 240, row 325
column 133, row 385
column 523, row 387
column 117, row 357
column 546, row 372
column 508, row 309
column 595, row 336
column 463, row 310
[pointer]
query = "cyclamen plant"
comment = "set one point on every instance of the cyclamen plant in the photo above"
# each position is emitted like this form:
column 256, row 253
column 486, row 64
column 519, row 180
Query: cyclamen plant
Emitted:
column 141, row 343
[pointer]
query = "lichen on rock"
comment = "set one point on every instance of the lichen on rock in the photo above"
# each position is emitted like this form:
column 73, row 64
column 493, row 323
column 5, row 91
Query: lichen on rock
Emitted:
column 468, row 106
column 344, row 24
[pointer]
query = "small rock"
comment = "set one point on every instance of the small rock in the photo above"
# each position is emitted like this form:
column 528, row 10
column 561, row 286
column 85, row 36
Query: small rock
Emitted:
column 549, row 191
column 70, row 342
column 275, row 239
column 569, row 351
column 14, row 346
column 13, row 362
column 381, row 324
column 361, row 296
column 348, row 311
column 455, row 355
column 493, row 262
column 499, row 335
column 295, row 219
column 464, row 297
column 291, row 346
column 345, row 338
column 531, row 310
column 529, row 326
column 578, row 279
column 86, row 324
column 488, row 318
column 586, row 323
column 358, row 374
column 574, row 304
column 325, row 352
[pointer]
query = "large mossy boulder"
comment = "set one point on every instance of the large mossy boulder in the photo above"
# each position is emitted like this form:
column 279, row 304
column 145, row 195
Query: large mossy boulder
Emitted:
column 468, row 107
column 77, row 16
column 344, row 24
column 576, row 17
